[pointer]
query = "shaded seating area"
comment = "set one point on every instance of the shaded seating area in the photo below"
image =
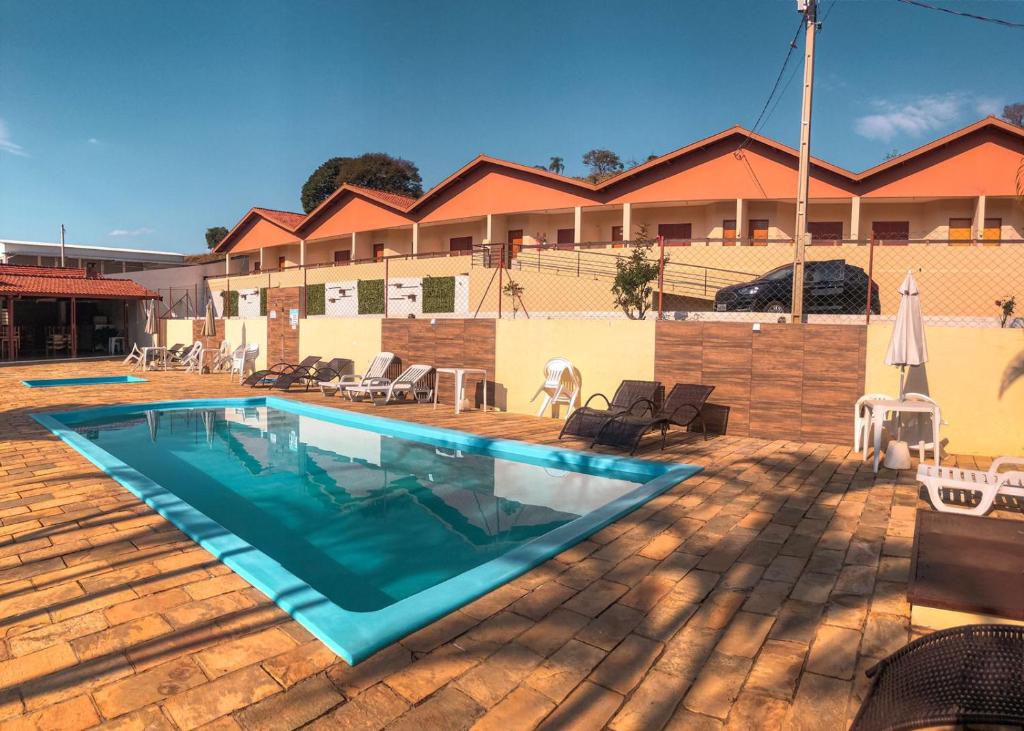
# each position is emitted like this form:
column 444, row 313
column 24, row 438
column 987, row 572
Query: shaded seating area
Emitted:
column 964, row 675
column 637, row 397
column 683, row 407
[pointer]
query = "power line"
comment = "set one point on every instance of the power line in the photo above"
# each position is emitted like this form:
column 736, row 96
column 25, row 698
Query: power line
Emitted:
column 962, row 14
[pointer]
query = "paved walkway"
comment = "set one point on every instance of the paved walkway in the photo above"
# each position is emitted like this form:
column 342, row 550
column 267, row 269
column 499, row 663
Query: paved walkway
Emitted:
column 751, row 596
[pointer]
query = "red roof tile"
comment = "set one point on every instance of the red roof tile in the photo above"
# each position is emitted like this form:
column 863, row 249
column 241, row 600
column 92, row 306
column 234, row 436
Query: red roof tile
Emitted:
column 393, row 199
column 65, row 282
column 287, row 219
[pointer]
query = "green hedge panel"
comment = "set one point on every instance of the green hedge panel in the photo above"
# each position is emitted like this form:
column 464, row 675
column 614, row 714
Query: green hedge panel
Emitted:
column 439, row 294
column 371, row 296
column 316, row 301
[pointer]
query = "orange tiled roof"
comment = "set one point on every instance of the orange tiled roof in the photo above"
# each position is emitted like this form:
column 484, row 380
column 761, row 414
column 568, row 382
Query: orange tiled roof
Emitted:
column 34, row 281
column 288, row 219
column 394, row 199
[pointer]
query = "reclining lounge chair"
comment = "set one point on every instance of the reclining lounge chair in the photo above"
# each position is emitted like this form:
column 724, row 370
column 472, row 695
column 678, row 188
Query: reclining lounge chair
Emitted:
column 963, row 485
column 309, row 377
column 683, row 406
column 413, row 380
column 378, row 368
column 265, row 378
column 586, row 422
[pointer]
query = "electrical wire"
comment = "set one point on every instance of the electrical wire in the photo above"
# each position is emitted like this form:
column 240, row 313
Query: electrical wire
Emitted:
column 962, row 13
column 775, row 87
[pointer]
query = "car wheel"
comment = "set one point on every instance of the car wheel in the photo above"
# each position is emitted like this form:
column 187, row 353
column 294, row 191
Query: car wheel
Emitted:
column 776, row 307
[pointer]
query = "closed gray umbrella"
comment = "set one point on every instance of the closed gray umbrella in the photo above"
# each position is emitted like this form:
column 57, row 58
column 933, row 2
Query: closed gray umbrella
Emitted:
column 209, row 325
column 151, row 328
column 907, row 347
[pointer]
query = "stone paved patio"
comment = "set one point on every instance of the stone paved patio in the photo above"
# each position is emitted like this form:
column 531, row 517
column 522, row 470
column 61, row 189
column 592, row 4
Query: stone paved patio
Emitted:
column 751, row 596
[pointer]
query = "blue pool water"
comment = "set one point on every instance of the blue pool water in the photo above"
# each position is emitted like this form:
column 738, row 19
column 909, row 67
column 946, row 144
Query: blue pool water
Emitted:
column 363, row 528
column 91, row 381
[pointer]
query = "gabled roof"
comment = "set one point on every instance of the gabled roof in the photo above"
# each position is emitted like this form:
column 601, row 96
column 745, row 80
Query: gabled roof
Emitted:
column 392, row 199
column 288, row 219
column 285, row 220
column 33, row 281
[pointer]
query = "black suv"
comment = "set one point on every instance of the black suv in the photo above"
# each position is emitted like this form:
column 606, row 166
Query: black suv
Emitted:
column 830, row 287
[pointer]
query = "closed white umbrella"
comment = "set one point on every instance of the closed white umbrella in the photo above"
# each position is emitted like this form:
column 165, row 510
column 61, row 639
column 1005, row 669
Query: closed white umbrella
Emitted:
column 151, row 328
column 209, row 324
column 907, row 346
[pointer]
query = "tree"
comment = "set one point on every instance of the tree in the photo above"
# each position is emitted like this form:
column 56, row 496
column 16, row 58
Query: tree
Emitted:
column 1014, row 113
column 603, row 164
column 214, row 235
column 556, row 165
column 376, row 170
column 892, row 154
column 634, row 275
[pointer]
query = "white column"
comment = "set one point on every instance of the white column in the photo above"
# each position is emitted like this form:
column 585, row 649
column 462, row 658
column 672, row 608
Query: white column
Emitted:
column 39, row 261
column 124, row 267
column 979, row 218
column 227, row 263
column 415, row 238
column 741, row 223
column 627, row 222
column 577, row 224
column 489, row 234
column 855, row 218
column 261, row 258
column 302, row 252
column 354, row 257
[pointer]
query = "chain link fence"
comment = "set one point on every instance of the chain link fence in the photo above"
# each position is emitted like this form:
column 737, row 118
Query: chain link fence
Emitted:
column 976, row 284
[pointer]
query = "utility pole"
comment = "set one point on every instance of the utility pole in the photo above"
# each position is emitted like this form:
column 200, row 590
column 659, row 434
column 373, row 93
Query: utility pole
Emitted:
column 62, row 244
column 810, row 10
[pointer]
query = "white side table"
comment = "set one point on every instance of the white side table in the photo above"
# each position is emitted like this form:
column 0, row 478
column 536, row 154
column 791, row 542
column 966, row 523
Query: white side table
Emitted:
column 460, row 389
column 115, row 345
column 880, row 408
column 159, row 353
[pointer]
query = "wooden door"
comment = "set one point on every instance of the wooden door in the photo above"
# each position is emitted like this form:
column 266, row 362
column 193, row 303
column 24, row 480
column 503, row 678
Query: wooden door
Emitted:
column 826, row 233
column 281, row 263
column 617, row 240
column 758, row 231
column 729, row 232
column 343, row 257
column 960, row 231
column 460, row 245
column 515, row 242
column 378, row 252
column 566, row 238
column 675, row 234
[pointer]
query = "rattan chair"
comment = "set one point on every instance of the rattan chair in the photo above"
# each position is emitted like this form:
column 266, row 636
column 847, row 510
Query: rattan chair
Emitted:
column 586, row 421
column 266, row 377
column 683, row 407
column 965, row 675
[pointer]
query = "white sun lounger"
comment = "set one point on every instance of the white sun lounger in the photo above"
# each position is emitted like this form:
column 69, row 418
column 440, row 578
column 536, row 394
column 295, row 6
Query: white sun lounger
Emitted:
column 990, row 484
column 377, row 369
column 413, row 380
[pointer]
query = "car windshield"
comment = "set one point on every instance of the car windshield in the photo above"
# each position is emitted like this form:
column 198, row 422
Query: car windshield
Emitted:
column 783, row 272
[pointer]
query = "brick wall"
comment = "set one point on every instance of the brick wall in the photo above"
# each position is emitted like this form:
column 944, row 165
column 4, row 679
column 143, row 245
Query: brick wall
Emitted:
column 447, row 343
column 784, row 382
column 282, row 340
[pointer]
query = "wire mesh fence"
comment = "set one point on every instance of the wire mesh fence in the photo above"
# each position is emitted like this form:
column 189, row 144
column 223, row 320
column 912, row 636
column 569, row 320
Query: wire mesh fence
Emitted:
column 974, row 284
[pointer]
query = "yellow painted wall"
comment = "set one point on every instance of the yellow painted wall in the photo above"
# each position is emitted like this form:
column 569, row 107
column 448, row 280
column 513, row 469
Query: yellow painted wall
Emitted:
column 356, row 338
column 964, row 369
column 178, row 331
column 255, row 332
column 604, row 351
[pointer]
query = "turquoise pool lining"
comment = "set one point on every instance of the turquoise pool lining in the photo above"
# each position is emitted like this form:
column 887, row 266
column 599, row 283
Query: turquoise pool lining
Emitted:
column 356, row 635
column 86, row 381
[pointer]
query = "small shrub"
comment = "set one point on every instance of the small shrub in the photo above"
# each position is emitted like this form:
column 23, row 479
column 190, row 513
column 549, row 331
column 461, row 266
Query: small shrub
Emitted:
column 230, row 299
column 439, row 294
column 316, row 300
column 371, row 294
column 263, row 302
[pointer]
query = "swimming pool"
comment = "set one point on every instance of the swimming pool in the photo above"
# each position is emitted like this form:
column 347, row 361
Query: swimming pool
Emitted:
column 90, row 381
column 362, row 528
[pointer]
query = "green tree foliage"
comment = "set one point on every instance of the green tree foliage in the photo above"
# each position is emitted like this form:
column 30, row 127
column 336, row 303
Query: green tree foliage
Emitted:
column 1014, row 113
column 603, row 164
column 556, row 165
column 214, row 235
column 438, row 294
column 376, row 170
column 634, row 277
column 316, row 302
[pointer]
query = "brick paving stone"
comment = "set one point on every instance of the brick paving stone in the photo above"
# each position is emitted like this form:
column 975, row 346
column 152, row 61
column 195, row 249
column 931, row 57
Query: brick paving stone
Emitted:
column 20, row 670
column 542, row 600
column 631, row 570
column 753, row 711
column 220, row 697
column 354, row 679
column 717, row 685
column 684, row 720
column 855, row 579
column 767, row 597
column 523, row 708
column 667, row 617
column 493, row 602
column 430, row 672
column 652, row 703
column 648, row 592
column 491, row 634
column 813, row 588
column 228, row 656
column 437, row 633
column 299, row 663
column 150, row 718
column 797, row 622
column 205, row 610
column 70, row 715
column 891, row 568
column 584, row 573
column 742, row 576
column 777, row 669
column 625, row 667
column 562, row 672
column 555, row 630
column 372, row 710
column 884, row 634
column 834, row 652
column 686, row 652
column 745, row 634
column 589, row 707
column 847, row 610
column 495, row 677
column 718, row 609
column 148, row 687
column 449, row 710
column 785, row 568
column 291, row 708
column 820, row 703
column 32, row 640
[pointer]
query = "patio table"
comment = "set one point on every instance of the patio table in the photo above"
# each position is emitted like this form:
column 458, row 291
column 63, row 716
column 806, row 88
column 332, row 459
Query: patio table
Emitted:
column 881, row 407
column 159, row 352
column 460, row 389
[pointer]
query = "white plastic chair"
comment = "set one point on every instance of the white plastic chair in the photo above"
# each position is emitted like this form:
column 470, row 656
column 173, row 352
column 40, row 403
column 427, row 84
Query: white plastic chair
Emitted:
column 989, row 483
column 223, row 358
column 383, row 390
column 921, row 445
column 862, row 421
column 378, row 368
column 193, row 359
column 243, row 360
column 561, row 386
column 134, row 358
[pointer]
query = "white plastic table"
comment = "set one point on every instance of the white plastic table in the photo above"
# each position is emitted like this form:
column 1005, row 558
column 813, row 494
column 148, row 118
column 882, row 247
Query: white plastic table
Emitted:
column 881, row 407
column 460, row 389
column 115, row 345
column 159, row 352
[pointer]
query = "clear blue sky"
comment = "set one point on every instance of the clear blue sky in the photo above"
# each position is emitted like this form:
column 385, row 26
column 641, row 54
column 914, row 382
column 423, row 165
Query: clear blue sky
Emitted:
column 142, row 123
